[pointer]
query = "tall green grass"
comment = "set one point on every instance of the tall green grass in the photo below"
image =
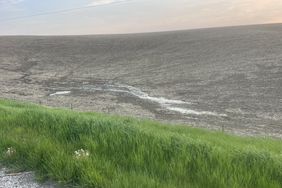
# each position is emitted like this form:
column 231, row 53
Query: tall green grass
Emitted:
column 125, row 152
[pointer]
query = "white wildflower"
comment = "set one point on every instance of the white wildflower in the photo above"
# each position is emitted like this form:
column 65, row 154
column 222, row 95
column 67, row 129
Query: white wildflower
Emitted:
column 81, row 153
column 10, row 152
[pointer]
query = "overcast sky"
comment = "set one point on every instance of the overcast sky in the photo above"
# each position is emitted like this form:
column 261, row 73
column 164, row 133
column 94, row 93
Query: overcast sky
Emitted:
column 66, row 17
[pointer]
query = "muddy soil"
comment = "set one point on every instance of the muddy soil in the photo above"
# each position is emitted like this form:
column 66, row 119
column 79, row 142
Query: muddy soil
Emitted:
column 212, row 78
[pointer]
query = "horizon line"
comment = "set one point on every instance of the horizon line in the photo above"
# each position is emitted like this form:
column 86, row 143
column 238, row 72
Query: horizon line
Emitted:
column 138, row 33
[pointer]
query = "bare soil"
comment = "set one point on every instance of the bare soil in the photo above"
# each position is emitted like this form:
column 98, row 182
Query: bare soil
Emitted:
column 227, row 77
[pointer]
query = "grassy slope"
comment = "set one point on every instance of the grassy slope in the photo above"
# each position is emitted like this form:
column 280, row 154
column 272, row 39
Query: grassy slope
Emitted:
column 126, row 152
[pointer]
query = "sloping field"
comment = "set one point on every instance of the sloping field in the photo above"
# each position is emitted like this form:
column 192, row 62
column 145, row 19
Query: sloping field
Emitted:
column 96, row 150
column 210, row 78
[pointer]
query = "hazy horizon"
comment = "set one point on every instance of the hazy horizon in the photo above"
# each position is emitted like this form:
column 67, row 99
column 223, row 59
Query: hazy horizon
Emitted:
column 146, row 32
column 91, row 17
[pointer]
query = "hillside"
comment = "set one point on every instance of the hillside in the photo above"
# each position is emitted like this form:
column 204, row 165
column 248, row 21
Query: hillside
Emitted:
column 206, row 78
column 97, row 150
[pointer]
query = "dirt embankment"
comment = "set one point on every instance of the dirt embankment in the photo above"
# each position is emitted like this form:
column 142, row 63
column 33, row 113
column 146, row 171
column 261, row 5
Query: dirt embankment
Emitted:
column 225, row 77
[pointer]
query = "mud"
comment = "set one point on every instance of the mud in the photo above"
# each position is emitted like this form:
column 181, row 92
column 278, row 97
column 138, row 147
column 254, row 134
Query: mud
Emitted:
column 211, row 78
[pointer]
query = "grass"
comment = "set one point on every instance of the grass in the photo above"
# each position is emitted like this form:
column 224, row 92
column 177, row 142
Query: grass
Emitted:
column 126, row 152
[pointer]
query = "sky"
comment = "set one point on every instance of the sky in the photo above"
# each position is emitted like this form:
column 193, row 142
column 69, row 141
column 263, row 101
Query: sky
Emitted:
column 79, row 17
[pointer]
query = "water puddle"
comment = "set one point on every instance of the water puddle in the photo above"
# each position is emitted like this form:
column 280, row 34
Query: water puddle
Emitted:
column 60, row 93
column 194, row 112
column 178, row 106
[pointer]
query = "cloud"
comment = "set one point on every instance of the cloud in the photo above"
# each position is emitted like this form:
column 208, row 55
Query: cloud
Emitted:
column 104, row 2
column 214, row 13
column 7, row 2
